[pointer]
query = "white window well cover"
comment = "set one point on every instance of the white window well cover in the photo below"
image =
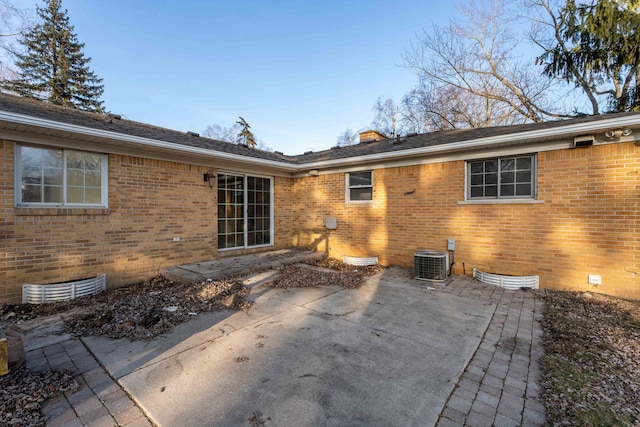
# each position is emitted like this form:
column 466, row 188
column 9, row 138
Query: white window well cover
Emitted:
column 351, row 260
column 508, row 282
column 38, row 294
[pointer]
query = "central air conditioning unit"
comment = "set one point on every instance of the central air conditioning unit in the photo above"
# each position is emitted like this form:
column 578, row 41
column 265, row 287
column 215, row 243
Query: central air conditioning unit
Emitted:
column 431, row 265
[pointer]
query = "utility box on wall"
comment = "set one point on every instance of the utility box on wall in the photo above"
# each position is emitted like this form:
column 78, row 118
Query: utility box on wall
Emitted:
column 331, row 223
column 451, row 244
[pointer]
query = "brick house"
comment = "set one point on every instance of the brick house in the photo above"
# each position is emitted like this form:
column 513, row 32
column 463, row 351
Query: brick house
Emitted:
column 87, row 194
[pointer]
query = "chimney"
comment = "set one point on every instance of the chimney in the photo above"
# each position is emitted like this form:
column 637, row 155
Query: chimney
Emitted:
column 371, row 136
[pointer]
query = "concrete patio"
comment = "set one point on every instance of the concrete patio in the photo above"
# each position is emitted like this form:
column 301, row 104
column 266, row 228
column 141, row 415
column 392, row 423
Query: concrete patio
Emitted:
column 397, row 351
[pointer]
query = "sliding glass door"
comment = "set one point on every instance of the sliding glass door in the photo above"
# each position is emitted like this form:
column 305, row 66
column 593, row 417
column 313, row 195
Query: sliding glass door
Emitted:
column 245, row 217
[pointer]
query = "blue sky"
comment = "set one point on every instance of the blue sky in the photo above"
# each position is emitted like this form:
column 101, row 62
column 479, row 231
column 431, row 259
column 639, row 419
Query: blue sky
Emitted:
column 299, row 72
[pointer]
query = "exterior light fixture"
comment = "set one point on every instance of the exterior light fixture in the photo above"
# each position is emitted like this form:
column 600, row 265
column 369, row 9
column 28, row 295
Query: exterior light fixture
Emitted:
column 314, row 172
column 210, row 178
column 617, row 133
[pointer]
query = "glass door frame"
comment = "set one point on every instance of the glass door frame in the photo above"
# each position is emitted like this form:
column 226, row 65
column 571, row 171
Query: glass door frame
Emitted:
column 245, row 217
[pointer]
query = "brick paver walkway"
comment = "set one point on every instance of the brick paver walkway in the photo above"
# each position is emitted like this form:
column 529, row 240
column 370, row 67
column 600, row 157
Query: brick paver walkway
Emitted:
column 98, row 400
column 500, row 386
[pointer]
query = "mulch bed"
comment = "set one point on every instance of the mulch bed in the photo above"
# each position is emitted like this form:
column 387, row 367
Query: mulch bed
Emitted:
column 592, row 360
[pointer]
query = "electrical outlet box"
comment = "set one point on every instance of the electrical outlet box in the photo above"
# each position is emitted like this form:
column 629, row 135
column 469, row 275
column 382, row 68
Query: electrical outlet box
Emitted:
column 176, row 239
column 595, row 279
column 451, row 244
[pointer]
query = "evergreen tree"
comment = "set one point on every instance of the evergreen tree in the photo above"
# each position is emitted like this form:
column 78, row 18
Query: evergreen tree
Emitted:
column 245, row 136
column 599, row 49
column 54, row 69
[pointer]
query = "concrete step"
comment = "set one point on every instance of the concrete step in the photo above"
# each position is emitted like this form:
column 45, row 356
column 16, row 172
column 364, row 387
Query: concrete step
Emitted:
column 259, row 283
column 239, row 265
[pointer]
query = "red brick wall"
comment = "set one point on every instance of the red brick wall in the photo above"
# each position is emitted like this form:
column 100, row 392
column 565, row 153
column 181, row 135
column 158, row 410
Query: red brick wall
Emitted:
column 150, row 203
column 588, row 223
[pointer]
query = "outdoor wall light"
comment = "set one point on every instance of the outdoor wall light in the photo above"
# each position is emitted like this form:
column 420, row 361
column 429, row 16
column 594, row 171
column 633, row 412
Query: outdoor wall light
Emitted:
column 210, row 178
column 617, row 133
column 314, row 172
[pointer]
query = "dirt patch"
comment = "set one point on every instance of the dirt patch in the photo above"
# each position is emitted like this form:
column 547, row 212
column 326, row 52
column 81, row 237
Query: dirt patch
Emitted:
column 140, row 311
column 592, row 360
column 22, row 394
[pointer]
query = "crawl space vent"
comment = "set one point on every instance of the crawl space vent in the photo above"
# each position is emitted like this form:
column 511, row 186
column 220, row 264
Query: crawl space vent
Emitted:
column 430, row 265
column 38, row 294
column 508, row 282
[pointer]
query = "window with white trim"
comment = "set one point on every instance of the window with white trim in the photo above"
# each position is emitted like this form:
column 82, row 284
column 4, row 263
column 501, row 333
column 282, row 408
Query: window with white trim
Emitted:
column 60, row 177
column 360, row 186
column 511, row 177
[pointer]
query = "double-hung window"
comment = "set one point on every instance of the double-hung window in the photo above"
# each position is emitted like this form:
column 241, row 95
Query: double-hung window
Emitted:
column 511, row 177
column 360, row 186
column 60, row 177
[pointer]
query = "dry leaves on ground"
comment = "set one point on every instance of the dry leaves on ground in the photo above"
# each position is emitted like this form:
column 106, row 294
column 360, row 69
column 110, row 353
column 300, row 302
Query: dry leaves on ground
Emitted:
column 592, row 361
column 324, row 272
column 139, row 311
column 335, row 264
column 22, row 394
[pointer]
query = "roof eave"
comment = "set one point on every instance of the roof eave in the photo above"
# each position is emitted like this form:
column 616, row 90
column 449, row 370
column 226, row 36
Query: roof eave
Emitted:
column 136, row 141
column 567, row 131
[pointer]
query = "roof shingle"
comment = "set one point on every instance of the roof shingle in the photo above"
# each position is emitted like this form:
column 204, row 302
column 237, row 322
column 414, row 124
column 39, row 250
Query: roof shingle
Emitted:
column 111, row 123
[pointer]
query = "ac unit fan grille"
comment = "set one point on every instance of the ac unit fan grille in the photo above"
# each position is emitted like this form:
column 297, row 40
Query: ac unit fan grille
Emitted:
column 430, row 265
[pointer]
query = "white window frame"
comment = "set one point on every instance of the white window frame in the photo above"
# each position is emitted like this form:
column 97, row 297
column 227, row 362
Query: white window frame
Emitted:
column 349, row 187
column 104, row 181
column 534, row 179
column 246, row 205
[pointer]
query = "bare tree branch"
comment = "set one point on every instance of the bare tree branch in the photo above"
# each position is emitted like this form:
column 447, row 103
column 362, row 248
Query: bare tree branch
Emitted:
column 480, row 54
